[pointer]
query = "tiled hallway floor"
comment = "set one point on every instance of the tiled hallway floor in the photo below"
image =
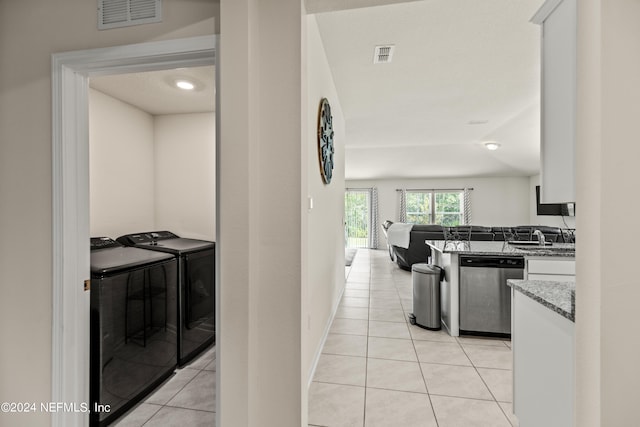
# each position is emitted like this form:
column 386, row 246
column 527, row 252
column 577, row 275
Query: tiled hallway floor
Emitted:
column 376, row 369
column 187, row 399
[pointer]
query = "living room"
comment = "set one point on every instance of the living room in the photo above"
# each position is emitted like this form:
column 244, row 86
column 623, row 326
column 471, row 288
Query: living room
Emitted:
column 450, row 92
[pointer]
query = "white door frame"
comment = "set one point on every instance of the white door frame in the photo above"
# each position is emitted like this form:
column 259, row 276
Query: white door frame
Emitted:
column 70, row 152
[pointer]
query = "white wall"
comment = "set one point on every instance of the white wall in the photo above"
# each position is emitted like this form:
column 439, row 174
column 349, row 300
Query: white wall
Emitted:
column 325, row 229
column 185, row 174
column 550, row 220
column 607, row 153
column 498, row 201
column 262, row 170
column 150, row 172
column 590, row 265
column 29, row 33
column 121, row 146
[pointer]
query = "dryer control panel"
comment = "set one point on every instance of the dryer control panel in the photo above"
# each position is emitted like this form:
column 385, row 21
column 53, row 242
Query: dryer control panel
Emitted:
column 145, row 238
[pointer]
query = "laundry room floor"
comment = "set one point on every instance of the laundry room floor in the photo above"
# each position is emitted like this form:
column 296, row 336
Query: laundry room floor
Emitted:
column 187, row 399
column 376, row 369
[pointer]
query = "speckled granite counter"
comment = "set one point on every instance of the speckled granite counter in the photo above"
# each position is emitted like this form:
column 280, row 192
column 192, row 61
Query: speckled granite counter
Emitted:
column 502, row 248
column 558, row 296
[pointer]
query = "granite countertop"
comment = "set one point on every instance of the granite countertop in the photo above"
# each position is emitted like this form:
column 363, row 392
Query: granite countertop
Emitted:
column 502, row 248
column 558, row 296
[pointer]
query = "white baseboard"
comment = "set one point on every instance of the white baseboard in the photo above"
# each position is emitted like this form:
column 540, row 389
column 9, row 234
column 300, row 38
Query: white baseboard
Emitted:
column 316, row 358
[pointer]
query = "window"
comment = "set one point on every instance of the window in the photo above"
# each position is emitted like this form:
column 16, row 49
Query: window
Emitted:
column 435, row 207
column 449, row 208
column 419, row 207
column 361, row 217
column 356, row 209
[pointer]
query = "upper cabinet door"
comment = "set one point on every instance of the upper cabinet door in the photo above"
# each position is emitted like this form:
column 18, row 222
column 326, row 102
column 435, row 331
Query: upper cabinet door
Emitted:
column 558, row 116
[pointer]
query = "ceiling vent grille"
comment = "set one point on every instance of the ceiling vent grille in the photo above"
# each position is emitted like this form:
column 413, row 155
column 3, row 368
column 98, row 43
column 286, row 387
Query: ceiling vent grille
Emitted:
column 125, row 13
column 383, row 54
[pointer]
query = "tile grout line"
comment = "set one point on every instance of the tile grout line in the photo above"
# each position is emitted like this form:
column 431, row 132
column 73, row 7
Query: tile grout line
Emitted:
column 366, row 362
column 424, row 380
column 357, row 261
column 165, row 405
column 398, row 285
column 152, row 415
column 487, row 385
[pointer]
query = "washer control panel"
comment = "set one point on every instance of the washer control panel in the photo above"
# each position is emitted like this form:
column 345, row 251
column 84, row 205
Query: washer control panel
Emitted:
column 146, row 238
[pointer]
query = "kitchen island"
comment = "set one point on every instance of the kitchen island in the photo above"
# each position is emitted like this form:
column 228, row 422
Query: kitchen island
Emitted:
column 565, row 250
column 553, row 262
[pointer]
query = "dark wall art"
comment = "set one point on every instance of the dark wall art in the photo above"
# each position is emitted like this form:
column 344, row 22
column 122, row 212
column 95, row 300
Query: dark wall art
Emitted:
column 325, row 141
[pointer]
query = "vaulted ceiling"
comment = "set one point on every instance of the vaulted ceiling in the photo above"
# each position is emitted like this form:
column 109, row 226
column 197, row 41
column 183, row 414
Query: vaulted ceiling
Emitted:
column 463, row 72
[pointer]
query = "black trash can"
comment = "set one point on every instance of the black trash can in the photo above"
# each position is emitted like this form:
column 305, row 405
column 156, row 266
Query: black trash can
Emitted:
column 426, row 296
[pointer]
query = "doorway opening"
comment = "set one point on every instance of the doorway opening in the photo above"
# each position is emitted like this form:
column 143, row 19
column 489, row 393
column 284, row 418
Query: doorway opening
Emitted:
column 357, row 214
column 152, row 188
column 71, row 72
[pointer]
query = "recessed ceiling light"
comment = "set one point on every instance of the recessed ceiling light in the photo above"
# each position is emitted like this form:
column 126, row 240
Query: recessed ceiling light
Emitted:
column 477, row 122
column 185, row 84
column 491, row 145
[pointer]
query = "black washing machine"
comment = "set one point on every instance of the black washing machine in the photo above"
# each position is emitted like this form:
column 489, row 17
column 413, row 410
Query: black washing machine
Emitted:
column 196, row 289
column 133, row 325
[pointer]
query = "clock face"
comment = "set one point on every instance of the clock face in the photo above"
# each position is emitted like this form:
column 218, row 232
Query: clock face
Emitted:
column 325, row 141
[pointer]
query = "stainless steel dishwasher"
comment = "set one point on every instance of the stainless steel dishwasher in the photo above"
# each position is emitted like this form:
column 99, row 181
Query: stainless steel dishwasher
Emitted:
column 485, row 298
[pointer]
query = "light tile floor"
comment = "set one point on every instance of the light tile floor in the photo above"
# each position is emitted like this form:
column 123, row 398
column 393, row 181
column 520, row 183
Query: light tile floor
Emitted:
column 186, row 399
column 376, row 369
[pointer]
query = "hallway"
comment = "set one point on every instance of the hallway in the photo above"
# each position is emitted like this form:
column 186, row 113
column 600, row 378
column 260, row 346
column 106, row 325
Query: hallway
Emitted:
column 378, row 370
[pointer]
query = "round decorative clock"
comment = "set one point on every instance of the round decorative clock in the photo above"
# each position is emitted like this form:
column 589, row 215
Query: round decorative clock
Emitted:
column 325, row 141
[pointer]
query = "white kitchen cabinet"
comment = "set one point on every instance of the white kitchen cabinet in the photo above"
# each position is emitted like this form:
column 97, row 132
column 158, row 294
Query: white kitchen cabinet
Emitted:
column 549, row 268
column 543, row 364
column 558, row 115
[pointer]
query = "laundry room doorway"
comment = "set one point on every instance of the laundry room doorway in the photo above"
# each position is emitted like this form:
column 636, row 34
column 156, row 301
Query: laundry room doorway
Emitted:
column 71, row 74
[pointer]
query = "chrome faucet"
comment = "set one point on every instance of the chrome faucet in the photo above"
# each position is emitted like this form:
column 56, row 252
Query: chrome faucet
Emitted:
column 540, row 237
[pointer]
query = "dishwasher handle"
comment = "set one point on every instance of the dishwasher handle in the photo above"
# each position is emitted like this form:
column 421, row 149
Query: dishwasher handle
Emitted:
column 492, row 262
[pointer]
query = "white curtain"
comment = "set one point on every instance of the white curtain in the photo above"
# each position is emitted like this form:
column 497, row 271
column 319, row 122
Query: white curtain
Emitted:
column 403, row 206
column 467, row 205
column 373, row 218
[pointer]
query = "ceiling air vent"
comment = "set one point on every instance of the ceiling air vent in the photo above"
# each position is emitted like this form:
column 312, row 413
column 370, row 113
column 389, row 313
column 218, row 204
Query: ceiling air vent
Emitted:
column 124, row 13
column 383, row 54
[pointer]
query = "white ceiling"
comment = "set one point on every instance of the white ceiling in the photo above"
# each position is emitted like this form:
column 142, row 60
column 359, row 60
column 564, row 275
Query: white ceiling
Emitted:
column 455, row 62
column 155, row 91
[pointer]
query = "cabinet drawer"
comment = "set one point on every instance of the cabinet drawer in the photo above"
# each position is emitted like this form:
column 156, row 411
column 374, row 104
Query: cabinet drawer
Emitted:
column 551, row 266
column 552, row 277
